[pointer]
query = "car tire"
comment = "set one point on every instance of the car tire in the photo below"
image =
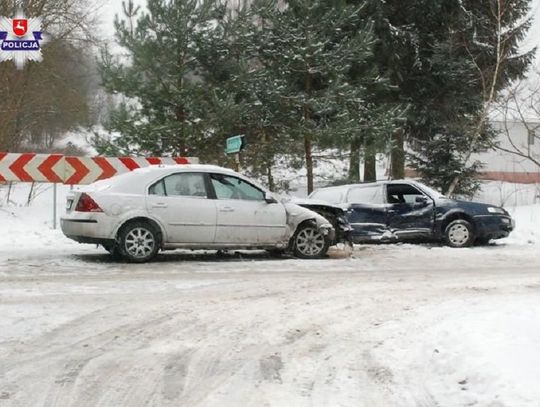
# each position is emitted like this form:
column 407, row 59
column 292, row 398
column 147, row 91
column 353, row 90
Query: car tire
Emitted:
column 459, row 233
column 309, row 242
column 138, row 242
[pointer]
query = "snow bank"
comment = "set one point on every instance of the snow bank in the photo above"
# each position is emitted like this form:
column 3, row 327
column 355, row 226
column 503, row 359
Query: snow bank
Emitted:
column 29, row 228
column 527, row 229
column 480, row 350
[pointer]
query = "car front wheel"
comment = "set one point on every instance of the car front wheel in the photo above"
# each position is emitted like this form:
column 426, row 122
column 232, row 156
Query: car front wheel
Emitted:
column 459, row 233
column 138, row 242
column 309, row 242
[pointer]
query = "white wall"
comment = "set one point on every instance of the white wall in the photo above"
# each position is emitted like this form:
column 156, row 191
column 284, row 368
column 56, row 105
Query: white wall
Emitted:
column 501, row 161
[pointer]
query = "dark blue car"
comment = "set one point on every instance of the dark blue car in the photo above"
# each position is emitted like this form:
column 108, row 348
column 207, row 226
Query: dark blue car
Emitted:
column 393, row 211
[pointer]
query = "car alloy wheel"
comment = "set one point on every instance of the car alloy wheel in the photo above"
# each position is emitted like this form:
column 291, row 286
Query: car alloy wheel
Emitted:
column 138, row 242
column 459, row 233
column 309, row 242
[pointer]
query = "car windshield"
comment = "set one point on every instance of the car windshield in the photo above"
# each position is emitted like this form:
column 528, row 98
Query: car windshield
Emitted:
column 431, row 192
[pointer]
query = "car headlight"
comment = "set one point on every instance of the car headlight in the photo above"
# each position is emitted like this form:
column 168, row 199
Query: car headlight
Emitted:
column 326, row 228
column 493, row 209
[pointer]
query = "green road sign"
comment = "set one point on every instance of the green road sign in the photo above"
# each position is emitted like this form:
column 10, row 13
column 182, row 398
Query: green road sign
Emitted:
column 234, row 144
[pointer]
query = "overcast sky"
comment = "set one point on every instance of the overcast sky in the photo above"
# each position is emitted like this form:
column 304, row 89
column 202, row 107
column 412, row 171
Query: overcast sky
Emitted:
column 533, row 39
column 108, row 10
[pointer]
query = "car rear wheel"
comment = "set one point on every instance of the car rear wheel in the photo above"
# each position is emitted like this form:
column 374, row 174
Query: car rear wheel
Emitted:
column 138, row 242
column 309, row 242
column 459, row 233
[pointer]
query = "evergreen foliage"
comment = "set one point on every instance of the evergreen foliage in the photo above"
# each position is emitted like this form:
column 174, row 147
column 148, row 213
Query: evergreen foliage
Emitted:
column 309, row 52
column 296, row 77
column 160, row 77
column 440, row 56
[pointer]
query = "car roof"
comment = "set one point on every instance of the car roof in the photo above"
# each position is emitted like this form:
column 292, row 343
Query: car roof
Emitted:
column 367, row 184
column 156, row 170
column 136, row 181
column 184, row 168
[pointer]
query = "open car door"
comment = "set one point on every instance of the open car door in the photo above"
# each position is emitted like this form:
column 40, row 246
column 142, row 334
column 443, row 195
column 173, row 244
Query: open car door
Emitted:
column 410, row 212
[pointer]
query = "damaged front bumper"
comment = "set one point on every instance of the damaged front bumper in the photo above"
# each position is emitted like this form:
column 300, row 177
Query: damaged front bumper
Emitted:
column 328, row 231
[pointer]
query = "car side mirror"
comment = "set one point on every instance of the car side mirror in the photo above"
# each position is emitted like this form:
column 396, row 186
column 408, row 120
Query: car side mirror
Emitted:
column 421, row 200
column 269, row 198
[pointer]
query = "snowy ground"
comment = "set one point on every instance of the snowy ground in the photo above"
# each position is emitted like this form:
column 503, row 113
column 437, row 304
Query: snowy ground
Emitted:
column 394, row 325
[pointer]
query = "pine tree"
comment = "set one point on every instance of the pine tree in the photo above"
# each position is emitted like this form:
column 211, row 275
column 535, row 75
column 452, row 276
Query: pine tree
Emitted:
column 243, row 101
column 306, row 51
column 433, row 52
column 159, row 78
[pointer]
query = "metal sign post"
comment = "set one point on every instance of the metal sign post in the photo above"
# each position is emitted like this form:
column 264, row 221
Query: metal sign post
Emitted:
column 234, row 145
column 237, row 161
column 54, row 206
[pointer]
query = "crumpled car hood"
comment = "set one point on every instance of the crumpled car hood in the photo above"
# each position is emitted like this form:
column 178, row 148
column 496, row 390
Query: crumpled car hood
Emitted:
column 297, row 214
column 315, row 202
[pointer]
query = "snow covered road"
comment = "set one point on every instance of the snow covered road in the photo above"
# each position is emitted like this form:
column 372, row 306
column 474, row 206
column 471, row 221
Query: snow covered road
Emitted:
column 393, row 326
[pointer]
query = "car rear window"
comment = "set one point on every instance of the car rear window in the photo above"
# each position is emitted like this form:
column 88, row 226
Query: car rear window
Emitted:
column 372, row 195
column 331, row 195
column 180, row 184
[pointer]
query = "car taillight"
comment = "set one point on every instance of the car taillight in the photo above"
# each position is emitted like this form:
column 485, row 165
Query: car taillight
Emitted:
column 87, row 204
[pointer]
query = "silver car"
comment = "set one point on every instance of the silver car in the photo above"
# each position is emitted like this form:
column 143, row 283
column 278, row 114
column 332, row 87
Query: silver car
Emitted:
column 134, row 215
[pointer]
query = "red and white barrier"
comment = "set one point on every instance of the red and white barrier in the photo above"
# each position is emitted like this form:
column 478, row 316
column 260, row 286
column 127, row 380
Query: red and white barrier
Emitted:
column 57, row 168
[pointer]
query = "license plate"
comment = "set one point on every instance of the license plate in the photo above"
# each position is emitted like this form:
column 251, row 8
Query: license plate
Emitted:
column 68, row 204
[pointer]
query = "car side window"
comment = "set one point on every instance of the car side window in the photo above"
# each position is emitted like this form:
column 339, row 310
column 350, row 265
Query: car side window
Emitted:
column 181, row 184
column 157, row 189
column 402, row 194
column 228, row 187
column 366, row 194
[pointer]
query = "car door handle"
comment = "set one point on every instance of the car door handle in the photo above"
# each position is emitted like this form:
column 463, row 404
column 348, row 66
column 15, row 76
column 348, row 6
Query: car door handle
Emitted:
column 226, row 209
column 159, row 205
